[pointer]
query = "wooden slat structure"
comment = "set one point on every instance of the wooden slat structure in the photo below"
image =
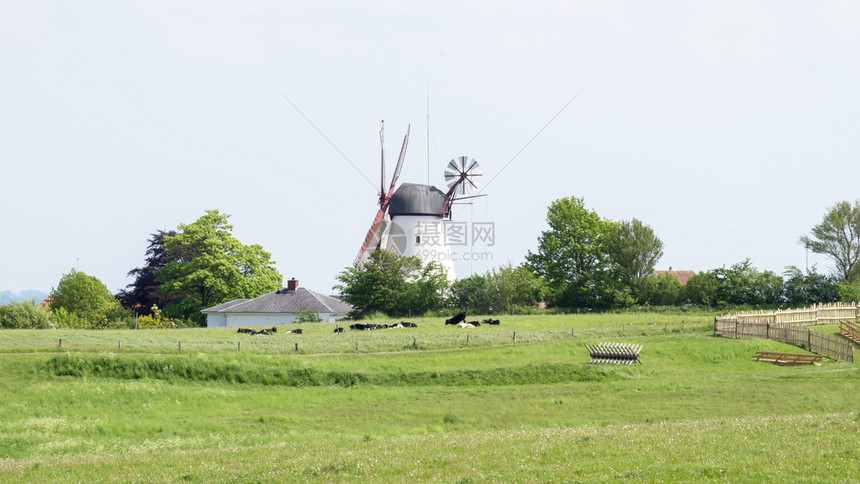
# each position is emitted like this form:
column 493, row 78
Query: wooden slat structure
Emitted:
column 788, row 359
column 614, row 353
column 850, row 331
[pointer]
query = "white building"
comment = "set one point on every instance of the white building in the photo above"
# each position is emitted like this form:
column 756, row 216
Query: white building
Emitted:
column 417, row 227
column 280, row 307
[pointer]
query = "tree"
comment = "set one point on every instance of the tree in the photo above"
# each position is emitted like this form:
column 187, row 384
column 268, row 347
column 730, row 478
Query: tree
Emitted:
column 142, row 294
column 25, row 315
column 635, row 250
column 80, row 300
column 471, row 293
column 573, row 258
column 741, row 284
column 662, row 290
column 510, row 286
column 208, row 266
column 811, row 288
column 838, row 237
column 393, row 284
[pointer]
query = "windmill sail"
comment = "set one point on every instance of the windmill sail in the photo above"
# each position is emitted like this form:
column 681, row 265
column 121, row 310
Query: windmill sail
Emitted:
column 381, row 222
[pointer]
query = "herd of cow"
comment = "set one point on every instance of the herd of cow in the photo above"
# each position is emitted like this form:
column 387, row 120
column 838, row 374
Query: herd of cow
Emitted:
column 458, row 320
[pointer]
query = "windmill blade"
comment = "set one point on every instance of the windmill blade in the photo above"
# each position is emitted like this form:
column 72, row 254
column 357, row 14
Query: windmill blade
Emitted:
column 382, row 159
column 401, row 158
column 374, row 234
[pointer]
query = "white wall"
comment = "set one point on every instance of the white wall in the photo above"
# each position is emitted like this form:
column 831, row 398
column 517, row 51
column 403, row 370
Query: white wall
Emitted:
column 214, row 320
column 433, row 247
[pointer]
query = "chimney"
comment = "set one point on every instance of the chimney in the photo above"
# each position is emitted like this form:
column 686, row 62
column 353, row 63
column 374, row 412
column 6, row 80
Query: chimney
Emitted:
column 292, row 285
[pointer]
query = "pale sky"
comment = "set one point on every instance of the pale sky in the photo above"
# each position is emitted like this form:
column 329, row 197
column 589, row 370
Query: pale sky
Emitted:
column 729, row 127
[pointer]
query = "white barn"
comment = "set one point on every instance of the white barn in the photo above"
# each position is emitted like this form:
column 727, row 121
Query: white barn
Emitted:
column 280, row 307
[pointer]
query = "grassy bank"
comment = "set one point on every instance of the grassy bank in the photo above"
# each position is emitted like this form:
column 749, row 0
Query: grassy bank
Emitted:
column 698, row 409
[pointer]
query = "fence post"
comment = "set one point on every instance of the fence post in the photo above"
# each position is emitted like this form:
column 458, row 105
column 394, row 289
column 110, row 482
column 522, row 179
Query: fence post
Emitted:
column 467, row 339
column 767, row 331
column 414, row 343
column 238, row 346
column 809, row 336
column 666, row 329
column 119, row 346
column 515, row 336
column 60, row 344
column 715, row 325
column 571, row 332
column 736, row 329
column 180, row 345
column 297, row 347
column 356, row 346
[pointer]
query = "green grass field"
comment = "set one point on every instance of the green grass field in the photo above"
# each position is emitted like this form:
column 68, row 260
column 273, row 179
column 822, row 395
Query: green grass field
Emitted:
column 422, row 404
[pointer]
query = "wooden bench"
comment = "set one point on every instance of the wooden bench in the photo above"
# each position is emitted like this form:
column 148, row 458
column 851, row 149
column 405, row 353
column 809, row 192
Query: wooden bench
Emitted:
column 614, row 353
column 787, row 359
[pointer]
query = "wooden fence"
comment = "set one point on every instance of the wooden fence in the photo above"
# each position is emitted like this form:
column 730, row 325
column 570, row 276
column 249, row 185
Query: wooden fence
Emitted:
column 800, row 335
column 818, row 314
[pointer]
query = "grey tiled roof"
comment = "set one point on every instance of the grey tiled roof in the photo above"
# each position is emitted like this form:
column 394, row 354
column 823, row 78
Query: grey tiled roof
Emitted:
column 282, row 301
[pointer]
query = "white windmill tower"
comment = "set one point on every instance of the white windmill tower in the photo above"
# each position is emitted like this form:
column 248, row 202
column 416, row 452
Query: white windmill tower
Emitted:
column 410, row 220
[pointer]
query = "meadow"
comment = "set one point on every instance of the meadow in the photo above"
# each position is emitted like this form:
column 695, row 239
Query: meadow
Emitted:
column 433, row 403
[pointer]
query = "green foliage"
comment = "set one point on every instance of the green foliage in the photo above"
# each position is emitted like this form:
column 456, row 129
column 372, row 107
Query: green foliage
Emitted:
column 589, row 262
column 25, row 315
column 155, row 320
column 308, row 316
column 741, row 284
column 499, row 290
column 662, row 290
column 83, row 301
column 811, row 288
column 395, row 285
column 208, row 266
column 572, row 256
column 635, row 250
column 838, row 237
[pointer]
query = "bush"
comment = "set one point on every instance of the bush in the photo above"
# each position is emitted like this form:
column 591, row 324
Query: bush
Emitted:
column 307, row 316
column 156, row 320
column 25, row 315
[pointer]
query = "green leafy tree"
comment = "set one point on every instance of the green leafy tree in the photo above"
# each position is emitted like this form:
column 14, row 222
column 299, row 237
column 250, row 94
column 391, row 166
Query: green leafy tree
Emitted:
column 838, row 237
column 25, row 315
column 740, row 284
column 208, row 266
column 663, row 290
column 392, row 284
column 811, row 288
column 704, row 289
column 635, row 249
column 84, row 301
column 471, row 293
column 510, row 286
column 573, row 258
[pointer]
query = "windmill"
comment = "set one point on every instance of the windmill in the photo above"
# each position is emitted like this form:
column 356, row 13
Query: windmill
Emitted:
column 410, row 220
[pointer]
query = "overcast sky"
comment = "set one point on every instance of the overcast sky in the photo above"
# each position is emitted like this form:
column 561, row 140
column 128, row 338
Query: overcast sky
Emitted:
column 728, row 127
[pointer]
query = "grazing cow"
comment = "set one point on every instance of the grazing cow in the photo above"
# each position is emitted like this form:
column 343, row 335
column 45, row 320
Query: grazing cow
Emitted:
column 245, row 330
column 464, row 324
column 407, row 324
column 494, row 322
column 457, row 319
column 474, row 323
column 338, row 330
column 262, row 331
column 295, row 331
